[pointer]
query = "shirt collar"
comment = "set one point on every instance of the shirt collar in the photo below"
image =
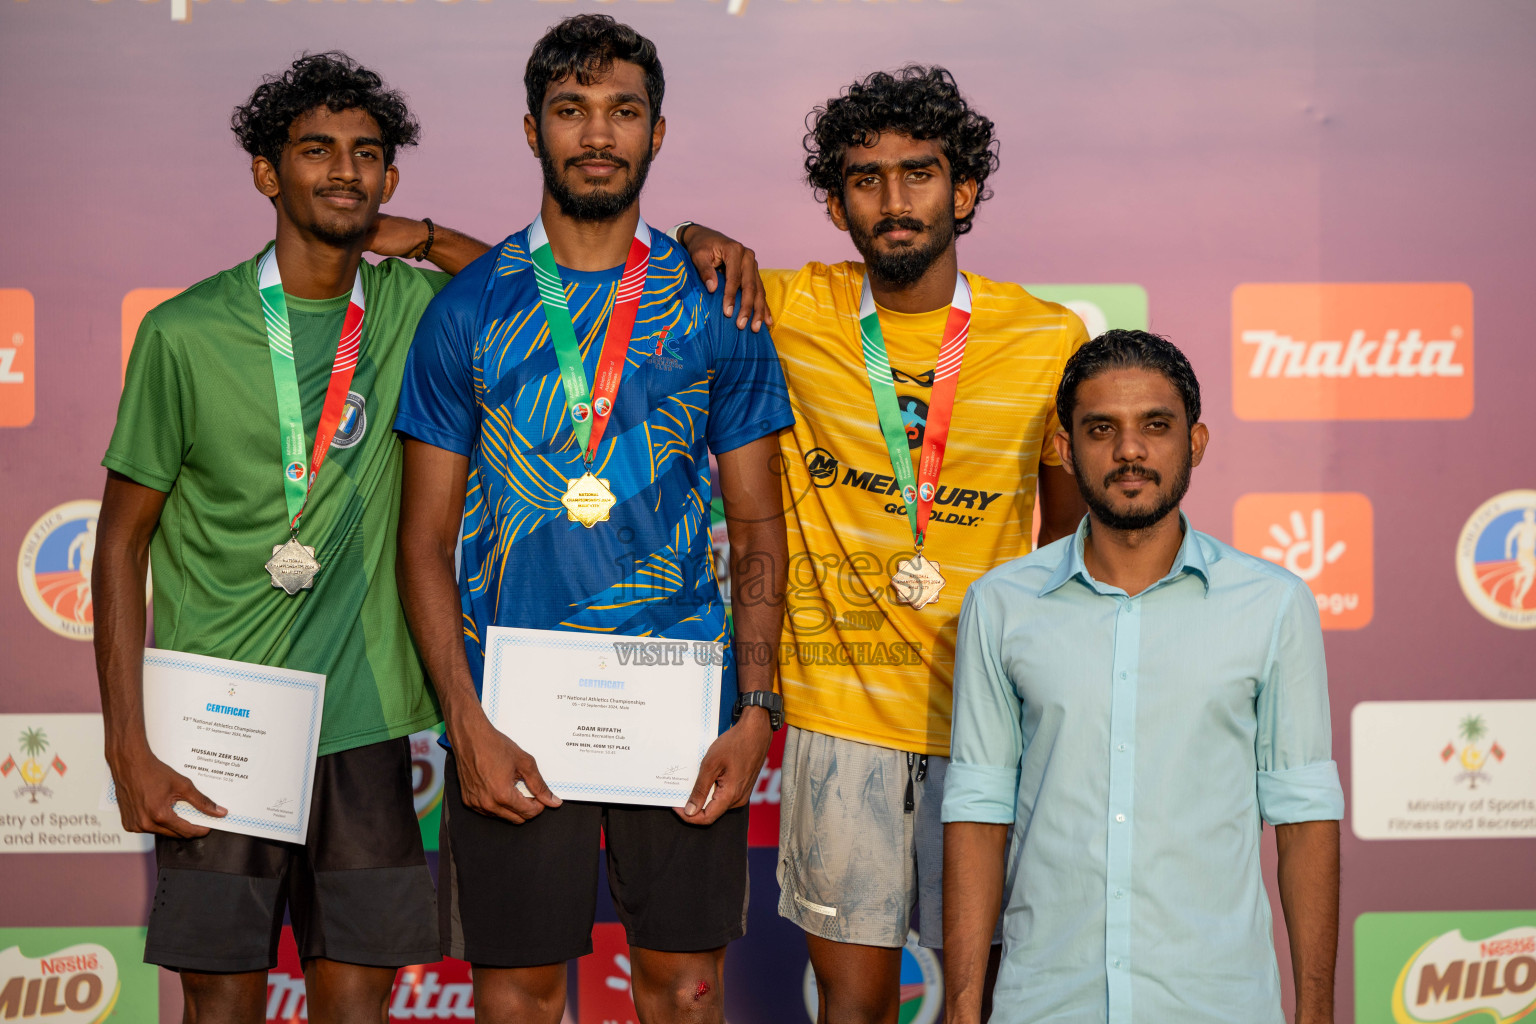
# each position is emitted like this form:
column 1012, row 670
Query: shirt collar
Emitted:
column 1190, row 559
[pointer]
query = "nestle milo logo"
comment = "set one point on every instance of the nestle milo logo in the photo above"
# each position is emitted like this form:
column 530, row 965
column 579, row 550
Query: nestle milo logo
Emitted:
column 75, row 985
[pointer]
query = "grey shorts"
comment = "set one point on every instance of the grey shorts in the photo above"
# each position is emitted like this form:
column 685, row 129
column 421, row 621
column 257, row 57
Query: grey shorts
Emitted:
column 860, row 841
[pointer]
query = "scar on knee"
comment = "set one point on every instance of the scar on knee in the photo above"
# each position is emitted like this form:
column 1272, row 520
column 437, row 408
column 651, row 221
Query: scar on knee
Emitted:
column 701, row 991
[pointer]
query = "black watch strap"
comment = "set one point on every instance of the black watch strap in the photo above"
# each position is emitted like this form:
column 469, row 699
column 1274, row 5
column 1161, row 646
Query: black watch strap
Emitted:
column 769, row 701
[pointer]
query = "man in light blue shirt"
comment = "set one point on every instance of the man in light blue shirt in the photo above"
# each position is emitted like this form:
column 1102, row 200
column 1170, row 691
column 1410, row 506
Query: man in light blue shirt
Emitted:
column 1131, row 704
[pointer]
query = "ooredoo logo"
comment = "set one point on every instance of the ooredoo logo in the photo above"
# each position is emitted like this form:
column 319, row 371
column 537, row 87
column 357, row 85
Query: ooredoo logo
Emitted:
column 18, row 389
column 75, row 985
column 1325, row 538
column 1496, row 559
column 1352, row 351
column 1451, row 978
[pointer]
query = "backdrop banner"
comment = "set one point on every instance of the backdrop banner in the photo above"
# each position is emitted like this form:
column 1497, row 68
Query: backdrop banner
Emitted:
column 1326, row 205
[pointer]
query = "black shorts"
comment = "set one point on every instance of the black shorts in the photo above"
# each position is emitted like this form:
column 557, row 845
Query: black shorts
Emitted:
column 525, row 895
column 358, row 890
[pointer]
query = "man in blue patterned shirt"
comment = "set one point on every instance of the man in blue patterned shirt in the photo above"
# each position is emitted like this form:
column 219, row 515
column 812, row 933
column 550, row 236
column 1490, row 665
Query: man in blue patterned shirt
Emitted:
column 589, row 290
column 1131, row 704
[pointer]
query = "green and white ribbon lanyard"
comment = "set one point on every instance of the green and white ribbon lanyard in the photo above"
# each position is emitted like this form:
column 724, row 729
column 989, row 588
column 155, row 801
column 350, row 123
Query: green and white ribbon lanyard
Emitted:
column 293, row 565
column 588, row 500
column 917, row 580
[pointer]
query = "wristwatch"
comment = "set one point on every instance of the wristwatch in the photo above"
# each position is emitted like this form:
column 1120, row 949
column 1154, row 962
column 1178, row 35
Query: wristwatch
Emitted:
column 765, row 699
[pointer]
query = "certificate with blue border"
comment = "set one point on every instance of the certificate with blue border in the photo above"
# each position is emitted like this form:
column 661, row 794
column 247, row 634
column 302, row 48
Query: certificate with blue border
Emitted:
column 246, row 735
column 609, row 719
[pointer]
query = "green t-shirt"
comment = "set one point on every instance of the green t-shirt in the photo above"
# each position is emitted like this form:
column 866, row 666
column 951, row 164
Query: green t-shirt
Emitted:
column 198, row 420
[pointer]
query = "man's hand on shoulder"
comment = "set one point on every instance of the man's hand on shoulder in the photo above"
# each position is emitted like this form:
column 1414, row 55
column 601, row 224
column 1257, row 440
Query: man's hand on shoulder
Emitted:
column 710, row 249
column 451, row 250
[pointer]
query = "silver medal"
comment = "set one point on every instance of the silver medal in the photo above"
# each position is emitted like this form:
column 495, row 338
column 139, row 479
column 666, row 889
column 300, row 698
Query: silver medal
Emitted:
column 293, row 566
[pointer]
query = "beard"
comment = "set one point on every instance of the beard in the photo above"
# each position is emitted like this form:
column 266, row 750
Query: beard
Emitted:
column 906, row 264
column 1098, row 501
column 337, row 229
column 600, row 204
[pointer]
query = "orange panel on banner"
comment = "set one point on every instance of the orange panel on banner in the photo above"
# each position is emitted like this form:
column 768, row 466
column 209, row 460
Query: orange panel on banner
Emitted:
column 18, row 388
column 135, row 304
column 603, row 979
column 1352, row 351
column 1326, row 539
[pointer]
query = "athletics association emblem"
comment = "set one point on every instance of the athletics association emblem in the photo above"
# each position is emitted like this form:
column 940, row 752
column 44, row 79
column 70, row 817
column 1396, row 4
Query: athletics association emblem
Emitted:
column 922, row 985
column 909, row 494
column 54, row 568
column 925, row 491
column 354, row 422
column 581, row 412
column 602, row 406
column 32, row 770
column 1473, row 758
column 1496, row 559
column 294, row 471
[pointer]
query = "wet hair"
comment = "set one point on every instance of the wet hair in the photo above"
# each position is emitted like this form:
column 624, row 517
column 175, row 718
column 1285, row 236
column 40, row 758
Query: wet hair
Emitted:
column 917, row 101
column 332, row 80
column 587, row 46
column 1121, row 349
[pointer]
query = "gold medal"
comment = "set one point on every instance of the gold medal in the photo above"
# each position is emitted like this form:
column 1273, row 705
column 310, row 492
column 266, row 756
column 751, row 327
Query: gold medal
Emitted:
column 293, row 566
column 587, row 500
column 917, row 581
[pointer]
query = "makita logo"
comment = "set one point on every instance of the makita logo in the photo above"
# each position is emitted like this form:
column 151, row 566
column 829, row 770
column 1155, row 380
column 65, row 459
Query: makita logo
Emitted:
column 1395, row 354
column 1391, row 351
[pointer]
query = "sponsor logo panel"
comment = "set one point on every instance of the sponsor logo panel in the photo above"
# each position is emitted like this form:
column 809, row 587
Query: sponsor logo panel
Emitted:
column 1443, row 769
column 52, row 777
column 135, row 304
column 1326, row 539
column 1099, row 306
column 1435, row 968
column 1352, row 351
column 76, row 976
column 763, row 813
column 603, row 979
column 18, row 386
column 922, row 985
column 1496, row 559
column 427, row 761
column 439, row 991
column 53, row 568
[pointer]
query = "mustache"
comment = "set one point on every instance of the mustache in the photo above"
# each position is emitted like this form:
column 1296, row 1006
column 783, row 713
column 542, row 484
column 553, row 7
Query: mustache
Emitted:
column 605, row 155
column 897, row 224
column 352, row 193
column 1133, row 473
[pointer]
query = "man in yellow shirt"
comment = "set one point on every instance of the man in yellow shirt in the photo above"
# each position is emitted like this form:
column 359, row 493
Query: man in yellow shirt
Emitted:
column 924, row 404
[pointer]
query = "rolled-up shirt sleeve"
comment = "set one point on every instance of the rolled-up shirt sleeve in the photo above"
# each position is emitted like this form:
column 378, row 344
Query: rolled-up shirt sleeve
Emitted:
column 1298, row 779
column 987, row 739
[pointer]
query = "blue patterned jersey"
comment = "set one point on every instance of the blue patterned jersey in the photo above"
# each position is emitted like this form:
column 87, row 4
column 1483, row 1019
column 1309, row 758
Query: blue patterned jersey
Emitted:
column 482, row 380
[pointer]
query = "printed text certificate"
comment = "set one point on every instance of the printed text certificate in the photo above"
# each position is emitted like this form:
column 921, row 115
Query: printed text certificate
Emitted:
column 610, row 719
column 246, row 735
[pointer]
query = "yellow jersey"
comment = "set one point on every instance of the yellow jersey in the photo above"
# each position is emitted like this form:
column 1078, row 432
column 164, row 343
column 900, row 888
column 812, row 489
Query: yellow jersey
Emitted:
column 855, row 662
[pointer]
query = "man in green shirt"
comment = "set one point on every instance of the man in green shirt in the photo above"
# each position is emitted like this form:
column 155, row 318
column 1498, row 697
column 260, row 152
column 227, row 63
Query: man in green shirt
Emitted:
column 202, row 484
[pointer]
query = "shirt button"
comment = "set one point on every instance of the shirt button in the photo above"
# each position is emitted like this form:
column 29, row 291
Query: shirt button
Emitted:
column 1122, row 746
column 1122, row 675
column 1119, row 894
column 1117, row 961
column 1119, row 817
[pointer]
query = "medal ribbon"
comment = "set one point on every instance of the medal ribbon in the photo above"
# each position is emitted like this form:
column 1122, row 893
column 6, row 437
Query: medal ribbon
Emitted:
column 590, row 407
column 298, row 474
column 917, row 490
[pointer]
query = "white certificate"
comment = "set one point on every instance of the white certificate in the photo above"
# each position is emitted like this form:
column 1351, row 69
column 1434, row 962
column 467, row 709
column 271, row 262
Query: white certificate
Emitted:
column 246, row 735
column 610, row 719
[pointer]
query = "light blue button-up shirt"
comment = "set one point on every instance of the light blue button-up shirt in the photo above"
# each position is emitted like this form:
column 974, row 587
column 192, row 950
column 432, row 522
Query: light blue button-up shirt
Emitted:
column 1134, row 744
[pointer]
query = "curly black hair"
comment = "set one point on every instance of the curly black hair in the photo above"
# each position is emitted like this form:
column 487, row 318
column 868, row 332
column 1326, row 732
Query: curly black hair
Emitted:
column 330, row 79
column 586, row 46
column 917, row 101
column 1120, row 349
